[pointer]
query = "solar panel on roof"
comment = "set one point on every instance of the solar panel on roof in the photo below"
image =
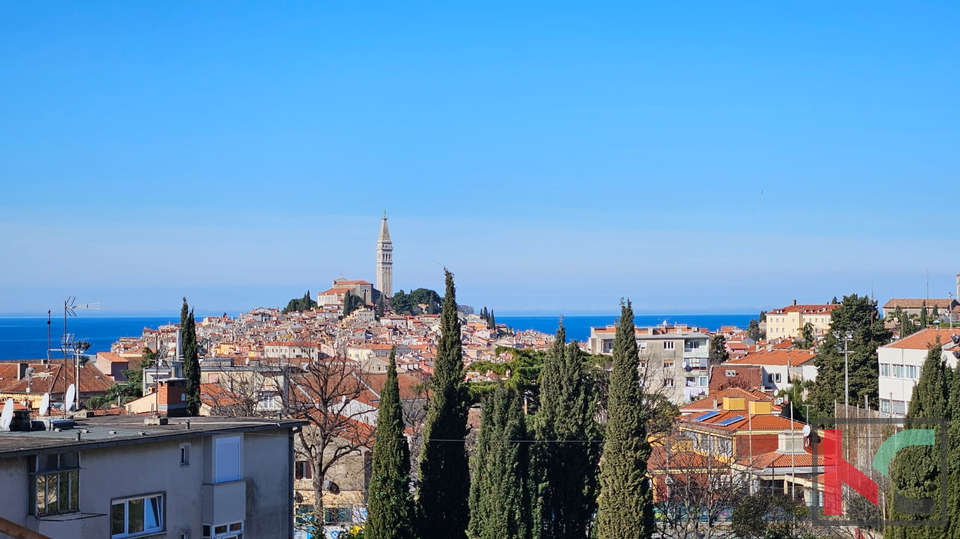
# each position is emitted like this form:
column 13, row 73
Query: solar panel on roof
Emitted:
column 707, row 416
column 731, row 421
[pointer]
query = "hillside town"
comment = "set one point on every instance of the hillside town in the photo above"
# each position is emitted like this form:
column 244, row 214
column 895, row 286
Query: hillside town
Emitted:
column 307, row 382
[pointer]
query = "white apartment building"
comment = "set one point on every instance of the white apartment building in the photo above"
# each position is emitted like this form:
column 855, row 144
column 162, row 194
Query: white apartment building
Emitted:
column 673, row 359
column 902, row 361
column 116, row 477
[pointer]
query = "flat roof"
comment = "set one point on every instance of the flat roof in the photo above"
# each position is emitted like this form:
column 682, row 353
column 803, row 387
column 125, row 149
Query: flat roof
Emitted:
column 116, row 430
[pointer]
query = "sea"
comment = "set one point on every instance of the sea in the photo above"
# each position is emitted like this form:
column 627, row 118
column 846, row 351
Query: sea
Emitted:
column 26, row 338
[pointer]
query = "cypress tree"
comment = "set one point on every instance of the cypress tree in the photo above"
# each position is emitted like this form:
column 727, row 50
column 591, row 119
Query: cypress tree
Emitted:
column 916, row 471
column 390, row 505
column 566, row 459
column 924, row 319
column 444, row 469
column 625, row 506
column 493, row 320
column 499, row 494
column 191, row 358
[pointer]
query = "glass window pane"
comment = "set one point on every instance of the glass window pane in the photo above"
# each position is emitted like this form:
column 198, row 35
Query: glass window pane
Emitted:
column 64, row 493
column 116, row 518
column 53, row 485
column 236, row 526
column 135, row 517
column 75, row 490
column 152, row 521
column 220, row 529
column 41, row 495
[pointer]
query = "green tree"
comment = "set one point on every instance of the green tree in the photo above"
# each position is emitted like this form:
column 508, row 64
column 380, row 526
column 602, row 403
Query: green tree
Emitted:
column 298, row 304
column 769, row 516
column 493, row 320
column 625, row 509
column 389, row 503
column 754, row 332
column 856, row 317
column 567, row 457
column 499, row 493
column 404, row 303
column 924, row 318
column 718, row 350
column 191, row 358
column 807, row 338
column 915, row 472
column 444, row 469
column 351, row 302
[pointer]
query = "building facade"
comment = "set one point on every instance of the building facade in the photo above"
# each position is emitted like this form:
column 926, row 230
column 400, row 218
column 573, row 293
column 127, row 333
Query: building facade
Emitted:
column 116, row 477
column 902, row 361
column 673, row 359
column 788, row 322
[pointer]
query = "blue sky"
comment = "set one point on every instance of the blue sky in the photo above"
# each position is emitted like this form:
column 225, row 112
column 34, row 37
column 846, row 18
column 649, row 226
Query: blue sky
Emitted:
column 695, row 157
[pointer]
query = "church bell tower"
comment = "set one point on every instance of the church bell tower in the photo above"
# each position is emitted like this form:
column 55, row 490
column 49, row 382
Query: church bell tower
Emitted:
column 385, row 260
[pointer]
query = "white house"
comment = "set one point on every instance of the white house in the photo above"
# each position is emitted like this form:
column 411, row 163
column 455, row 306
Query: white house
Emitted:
column 901, row 363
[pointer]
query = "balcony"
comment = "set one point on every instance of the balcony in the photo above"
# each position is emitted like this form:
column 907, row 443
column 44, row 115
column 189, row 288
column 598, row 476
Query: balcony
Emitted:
column 224, row 502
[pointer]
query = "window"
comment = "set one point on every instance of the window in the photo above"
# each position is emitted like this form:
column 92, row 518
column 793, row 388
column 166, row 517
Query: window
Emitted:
column 668, row 364
column 56, row 483
column 884, row 405
column 184, row 454
column 234, row 530
column 885, row 369
column 227, row 459
column 136, row 516
column 776, row 378
column 338, row 515
column 704, row 382
column 668, row 345
column 668, row 382
column 912, row 372
column 303, row 470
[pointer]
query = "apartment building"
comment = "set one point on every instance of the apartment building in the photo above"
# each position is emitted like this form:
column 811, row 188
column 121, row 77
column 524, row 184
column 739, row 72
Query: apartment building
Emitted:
column 117, row 477
column 788, row 322
column 673, row 359
column 902, row 361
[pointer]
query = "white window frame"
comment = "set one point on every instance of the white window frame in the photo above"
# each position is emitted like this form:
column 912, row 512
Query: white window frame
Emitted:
column 669, row 345
column 126, row 515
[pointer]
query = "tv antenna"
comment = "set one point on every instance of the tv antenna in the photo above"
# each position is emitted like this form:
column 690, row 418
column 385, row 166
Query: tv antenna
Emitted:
column 68, row 340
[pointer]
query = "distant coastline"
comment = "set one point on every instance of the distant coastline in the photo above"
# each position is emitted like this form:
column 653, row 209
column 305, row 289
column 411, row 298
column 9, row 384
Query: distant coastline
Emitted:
column 26, row 337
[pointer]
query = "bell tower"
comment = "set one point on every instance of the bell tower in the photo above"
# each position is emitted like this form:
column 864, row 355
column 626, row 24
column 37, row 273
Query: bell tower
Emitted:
column 385, row 260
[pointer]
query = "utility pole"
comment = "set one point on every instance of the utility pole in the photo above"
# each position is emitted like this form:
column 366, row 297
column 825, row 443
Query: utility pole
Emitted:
column 847, row 337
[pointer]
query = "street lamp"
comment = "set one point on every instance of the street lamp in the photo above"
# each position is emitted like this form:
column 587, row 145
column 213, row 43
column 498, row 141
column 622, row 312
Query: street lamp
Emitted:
column 846, row 337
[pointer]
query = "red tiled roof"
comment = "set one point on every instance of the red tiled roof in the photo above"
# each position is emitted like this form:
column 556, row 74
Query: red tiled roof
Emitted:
column 807, row 309
column 706, row 403
column 924, row 339
column 775, row 357
column 910, row 303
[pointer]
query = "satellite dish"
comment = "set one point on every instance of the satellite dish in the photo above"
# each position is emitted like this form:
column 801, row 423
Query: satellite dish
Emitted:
column 7, row 416
column 45, row 404
column 806, row 431
column 71, row 394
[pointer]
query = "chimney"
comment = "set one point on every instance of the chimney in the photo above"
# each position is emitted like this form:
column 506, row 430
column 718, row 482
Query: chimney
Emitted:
column 22, row 370
column 794, row 303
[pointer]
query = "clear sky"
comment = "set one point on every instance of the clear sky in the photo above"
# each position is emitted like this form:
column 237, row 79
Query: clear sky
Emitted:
column 693, row 156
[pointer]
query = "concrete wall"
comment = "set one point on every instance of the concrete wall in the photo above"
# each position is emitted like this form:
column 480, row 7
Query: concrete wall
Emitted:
column 154, row 468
